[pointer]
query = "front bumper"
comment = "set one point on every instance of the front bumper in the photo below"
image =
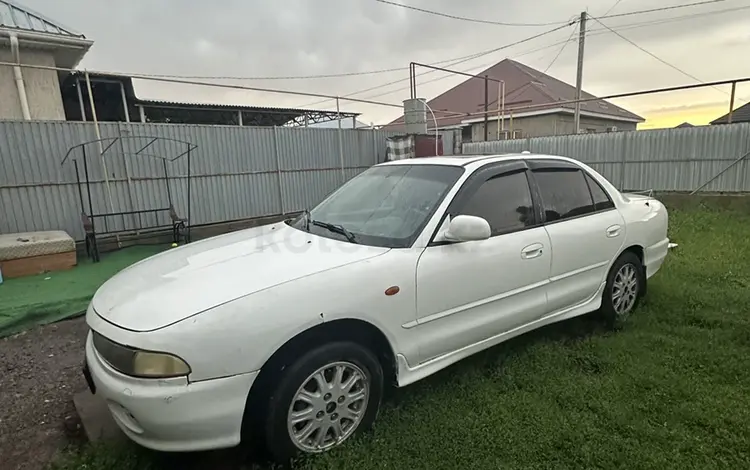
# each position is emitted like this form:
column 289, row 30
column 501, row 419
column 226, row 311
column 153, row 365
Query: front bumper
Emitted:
column 172, row 414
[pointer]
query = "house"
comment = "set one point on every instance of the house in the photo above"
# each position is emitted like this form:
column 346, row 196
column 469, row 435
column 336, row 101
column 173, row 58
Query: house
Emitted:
column 684, row 125
column 741, row 114
column 31, row 38
column 537, row 98
column 28, row 93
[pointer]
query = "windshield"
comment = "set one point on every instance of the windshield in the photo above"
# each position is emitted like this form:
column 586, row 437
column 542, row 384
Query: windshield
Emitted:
column 383, row 206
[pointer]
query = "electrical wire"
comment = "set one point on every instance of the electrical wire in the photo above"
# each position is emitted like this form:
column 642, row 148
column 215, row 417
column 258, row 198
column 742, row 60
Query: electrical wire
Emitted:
column 672, row 66
column 608, row 97
column 465, row 59
column 471, row 69
column 672, row 19
column 654, row 10
column 199, row 83
column 590, row 33
column 611, row 8
column 398, row 69
column 565, row 44
column 464, row 18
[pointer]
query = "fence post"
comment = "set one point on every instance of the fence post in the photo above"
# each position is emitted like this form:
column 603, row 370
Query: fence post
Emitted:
column 374, row 147
column 341, row 142
column 278, row 167
column 624, row 161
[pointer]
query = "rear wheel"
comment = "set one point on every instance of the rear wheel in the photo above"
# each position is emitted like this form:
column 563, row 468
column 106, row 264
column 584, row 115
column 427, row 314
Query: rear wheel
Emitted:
column 323, row 399
column 625, row 285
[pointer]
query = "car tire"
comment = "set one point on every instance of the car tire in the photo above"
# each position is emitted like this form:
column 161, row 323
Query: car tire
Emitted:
column 337, row 412
column 626, row 284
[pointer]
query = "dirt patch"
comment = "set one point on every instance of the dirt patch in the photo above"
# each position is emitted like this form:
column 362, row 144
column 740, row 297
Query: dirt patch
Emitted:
column 40, row 370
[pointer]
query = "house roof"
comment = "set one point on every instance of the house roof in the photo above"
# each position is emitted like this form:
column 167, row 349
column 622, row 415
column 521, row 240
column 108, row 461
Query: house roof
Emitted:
column 684, row 125
column 524, row 86
column 196, row 113
column 346, row 123
column 13, row 15
column 741, row 114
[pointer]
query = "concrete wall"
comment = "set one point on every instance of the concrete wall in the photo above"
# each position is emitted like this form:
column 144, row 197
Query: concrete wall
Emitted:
column 546, row 125
column 42, row 87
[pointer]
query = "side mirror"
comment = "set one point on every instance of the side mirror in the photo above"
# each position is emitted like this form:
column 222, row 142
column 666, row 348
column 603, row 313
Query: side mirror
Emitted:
column 467, row 228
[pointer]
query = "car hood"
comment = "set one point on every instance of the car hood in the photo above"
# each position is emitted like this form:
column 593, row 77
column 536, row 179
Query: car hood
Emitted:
column 181, row 282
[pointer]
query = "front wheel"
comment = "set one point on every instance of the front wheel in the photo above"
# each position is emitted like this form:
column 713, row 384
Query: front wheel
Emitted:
column 323, row 399
column 625, row 285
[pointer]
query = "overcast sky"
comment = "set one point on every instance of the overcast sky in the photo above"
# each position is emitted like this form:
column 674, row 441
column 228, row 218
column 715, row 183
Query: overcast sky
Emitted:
column 307, row 37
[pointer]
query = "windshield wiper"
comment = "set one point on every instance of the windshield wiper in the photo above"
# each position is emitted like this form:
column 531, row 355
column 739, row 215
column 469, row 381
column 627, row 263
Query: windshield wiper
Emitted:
column 340, row 229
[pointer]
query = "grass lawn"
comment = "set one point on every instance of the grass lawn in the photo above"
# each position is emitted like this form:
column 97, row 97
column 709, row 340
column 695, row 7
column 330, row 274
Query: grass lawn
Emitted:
column 49, row 297
column 671, row 390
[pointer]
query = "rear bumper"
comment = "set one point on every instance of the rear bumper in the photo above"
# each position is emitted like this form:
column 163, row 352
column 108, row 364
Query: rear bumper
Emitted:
column 654, row 256
column 172, row 414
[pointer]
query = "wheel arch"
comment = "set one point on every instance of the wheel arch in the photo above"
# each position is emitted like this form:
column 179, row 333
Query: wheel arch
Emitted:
column 350, row 329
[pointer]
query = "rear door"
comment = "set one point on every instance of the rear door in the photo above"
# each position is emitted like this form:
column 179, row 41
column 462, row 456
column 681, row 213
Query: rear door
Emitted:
column 585, row 229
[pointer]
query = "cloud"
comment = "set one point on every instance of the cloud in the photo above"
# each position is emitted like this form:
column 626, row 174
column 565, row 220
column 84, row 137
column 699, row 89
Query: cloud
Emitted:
column 303, row 37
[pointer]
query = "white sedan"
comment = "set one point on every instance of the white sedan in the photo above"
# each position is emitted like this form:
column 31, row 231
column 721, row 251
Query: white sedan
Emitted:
column 288, row 333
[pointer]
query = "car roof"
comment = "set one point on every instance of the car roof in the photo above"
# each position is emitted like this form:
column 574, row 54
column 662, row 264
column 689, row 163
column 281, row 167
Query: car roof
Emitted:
column 472, row 161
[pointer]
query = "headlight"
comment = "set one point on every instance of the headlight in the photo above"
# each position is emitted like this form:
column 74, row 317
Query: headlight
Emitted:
column 137, row 363
column 152, row 364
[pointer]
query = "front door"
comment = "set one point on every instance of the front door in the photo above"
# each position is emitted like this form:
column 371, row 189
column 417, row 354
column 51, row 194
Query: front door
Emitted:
column 471, row 291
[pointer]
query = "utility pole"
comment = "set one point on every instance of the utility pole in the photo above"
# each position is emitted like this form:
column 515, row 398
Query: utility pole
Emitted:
column 579, row 75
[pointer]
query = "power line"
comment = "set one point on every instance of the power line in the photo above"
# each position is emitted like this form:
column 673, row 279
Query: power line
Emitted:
column 609, row 97
column 612, row 8
column 641, row 24
column 592, row 32
column 399, row 69
column 653, row 10
column 470, row 69
column 465, row 59
column 199, row 83
column 464, row 18
column 295, row 77
column 674, row 67
column 565, row 44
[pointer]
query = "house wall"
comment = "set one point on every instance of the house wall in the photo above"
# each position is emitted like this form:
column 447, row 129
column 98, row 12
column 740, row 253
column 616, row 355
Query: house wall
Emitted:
column 42, row 87
column 546, row 125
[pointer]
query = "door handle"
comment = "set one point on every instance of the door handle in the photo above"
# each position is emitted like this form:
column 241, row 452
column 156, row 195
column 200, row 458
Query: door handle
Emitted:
column 613, row 231
column 532, row 251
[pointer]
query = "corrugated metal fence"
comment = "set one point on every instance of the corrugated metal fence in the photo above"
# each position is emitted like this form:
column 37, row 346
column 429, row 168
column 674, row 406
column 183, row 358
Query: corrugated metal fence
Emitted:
column 663, row 160
column 238, row 172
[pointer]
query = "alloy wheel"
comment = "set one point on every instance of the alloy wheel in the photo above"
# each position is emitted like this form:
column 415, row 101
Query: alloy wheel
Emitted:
column 625, row 290
column 328, row 407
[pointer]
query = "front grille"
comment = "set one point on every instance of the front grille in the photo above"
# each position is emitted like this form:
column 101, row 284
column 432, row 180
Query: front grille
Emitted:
column 116, row 355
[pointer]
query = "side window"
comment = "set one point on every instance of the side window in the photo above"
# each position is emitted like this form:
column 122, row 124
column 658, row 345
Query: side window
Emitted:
column 601, row 199
column 504, row 201
column 564, row 192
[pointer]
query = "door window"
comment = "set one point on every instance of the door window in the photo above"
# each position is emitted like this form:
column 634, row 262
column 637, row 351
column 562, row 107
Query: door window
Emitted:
column 601, row 199
column 504, row 201
column 565, row 193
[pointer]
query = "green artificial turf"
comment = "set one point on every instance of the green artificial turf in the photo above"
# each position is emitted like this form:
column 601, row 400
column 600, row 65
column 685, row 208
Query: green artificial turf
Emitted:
column 670, row 390
column 45, row 298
